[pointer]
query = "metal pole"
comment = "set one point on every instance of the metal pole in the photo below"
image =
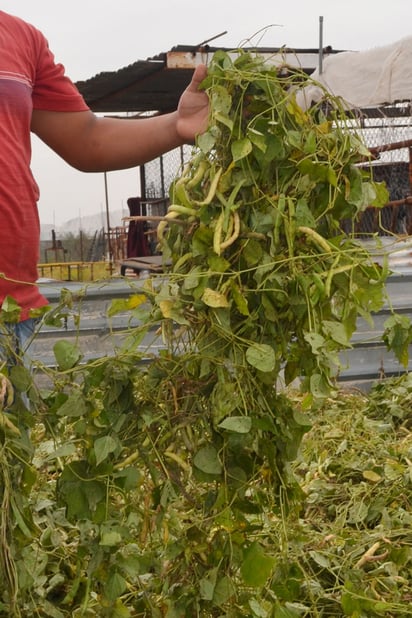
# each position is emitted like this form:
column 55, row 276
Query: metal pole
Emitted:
column 142, row 171
column 109, row 243
column 80, row 235
column 320, row 45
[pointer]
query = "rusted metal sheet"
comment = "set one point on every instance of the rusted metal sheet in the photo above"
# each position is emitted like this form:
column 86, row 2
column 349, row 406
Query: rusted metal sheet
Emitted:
column 189, row 59
column 157, row 83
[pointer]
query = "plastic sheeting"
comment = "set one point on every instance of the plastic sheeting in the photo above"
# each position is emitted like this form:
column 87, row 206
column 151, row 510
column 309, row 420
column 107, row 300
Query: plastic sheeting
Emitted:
column 378, row 76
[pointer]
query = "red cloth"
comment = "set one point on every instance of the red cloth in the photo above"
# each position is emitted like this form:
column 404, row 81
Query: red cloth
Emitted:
column 29, row 78
column 137, row 245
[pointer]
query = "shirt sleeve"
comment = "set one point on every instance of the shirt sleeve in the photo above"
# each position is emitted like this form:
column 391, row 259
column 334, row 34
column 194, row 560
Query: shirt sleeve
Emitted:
column 52, row 89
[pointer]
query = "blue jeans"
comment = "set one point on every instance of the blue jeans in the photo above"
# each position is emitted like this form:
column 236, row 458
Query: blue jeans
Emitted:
column 14, row 341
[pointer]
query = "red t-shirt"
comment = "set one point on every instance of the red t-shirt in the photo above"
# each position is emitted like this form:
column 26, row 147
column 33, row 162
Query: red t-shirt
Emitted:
column 29, row 79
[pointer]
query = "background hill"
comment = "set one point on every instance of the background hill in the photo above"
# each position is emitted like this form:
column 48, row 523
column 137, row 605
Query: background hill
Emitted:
column 88, row 224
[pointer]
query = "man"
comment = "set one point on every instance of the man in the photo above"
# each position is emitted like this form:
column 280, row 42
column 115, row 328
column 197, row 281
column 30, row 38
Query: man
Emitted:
column 37, row 96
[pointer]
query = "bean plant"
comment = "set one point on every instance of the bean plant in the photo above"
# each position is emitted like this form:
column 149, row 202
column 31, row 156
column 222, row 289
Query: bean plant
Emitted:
column 268, row 279
column 163, row 484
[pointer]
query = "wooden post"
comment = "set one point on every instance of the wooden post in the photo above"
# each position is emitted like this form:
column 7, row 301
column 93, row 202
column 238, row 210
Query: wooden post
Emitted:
column 410, row 170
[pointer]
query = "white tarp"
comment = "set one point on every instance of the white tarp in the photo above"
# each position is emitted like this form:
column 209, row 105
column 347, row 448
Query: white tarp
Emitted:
column 365, row 78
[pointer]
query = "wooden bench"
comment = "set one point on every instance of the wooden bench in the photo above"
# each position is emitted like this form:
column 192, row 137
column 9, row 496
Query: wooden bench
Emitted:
column 151, row 263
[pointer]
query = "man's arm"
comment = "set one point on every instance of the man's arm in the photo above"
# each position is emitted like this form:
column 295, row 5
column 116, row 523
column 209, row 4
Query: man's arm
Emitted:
column 94, row 144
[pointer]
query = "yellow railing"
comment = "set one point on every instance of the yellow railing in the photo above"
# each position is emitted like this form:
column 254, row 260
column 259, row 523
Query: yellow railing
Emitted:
column 76, row 271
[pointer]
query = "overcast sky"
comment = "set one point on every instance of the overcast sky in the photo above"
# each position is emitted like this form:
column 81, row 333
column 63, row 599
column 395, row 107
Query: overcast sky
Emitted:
column 91, row 36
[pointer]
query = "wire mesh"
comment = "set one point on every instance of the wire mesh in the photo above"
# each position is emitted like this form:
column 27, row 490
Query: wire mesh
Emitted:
column 387, row 132
column 159, row 173
column 379, row 127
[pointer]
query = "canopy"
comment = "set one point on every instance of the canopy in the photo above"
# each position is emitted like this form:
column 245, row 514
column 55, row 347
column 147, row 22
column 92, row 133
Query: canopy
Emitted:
column 377, row 76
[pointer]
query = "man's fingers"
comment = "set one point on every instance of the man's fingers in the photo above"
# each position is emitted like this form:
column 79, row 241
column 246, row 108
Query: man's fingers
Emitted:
column 199, row 75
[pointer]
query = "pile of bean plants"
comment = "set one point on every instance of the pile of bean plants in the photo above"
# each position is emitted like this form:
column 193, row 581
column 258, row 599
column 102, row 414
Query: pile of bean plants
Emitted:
column 194, row 477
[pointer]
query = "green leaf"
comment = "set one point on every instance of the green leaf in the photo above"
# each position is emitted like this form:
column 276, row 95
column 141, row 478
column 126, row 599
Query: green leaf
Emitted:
column 20, row 520
column 21, row 378
column 351, row 605
column 206, row 141
column 294, row 138
column 336, row 331
column 67, row 355
column 320, row 172
column 224, row 120
column 171, row 310
column 10, row 311
column 224, row 590
column 331, row 177
column 261, row 356
column 321, row 559
column 207, row 460
column 275, row 147
column 257, row 566
column 223, row 400
column 258, row 139
column 77, row 503
column 253, row 253
column 65, row 450
column 221, row 100
column 218, row 263
column 116, row 585
column 315, row 340
column 393, row 470
column 310, row 143
column 207, row 585
column 237, row 424
column 50, row 610
column 103, row 447
column 302, row 419
column 286, row 612
column 357, row 513
column 130, row 560
column 119, row 305
column 214, row 299
column 241, row 148
column 381, row 195
column 319, row 386
column 110, row 538
column 128, row 478
column 74, row 406
column 258, row 609
column 398, row 336
column 120, row 610
column 191, row 280
column 240, row 300
column 304, row 215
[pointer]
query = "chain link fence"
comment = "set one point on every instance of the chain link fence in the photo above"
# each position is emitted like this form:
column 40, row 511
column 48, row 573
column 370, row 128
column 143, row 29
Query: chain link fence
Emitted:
column 387, row 131
column 159, row 173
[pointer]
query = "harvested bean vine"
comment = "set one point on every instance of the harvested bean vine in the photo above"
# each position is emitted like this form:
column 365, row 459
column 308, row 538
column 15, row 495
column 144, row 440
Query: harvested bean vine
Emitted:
column 267, row 280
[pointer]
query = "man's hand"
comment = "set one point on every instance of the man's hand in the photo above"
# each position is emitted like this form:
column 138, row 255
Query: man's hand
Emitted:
column 193, row 108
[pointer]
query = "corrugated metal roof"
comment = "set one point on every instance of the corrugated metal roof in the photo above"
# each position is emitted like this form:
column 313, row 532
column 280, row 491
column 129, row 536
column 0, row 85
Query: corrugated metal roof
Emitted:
column 155, row 84
column 145, row 85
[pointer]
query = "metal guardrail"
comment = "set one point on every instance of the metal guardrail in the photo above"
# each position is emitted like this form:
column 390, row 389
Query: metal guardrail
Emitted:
column 96, row 334
column 90, row 327
column 76, row 271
